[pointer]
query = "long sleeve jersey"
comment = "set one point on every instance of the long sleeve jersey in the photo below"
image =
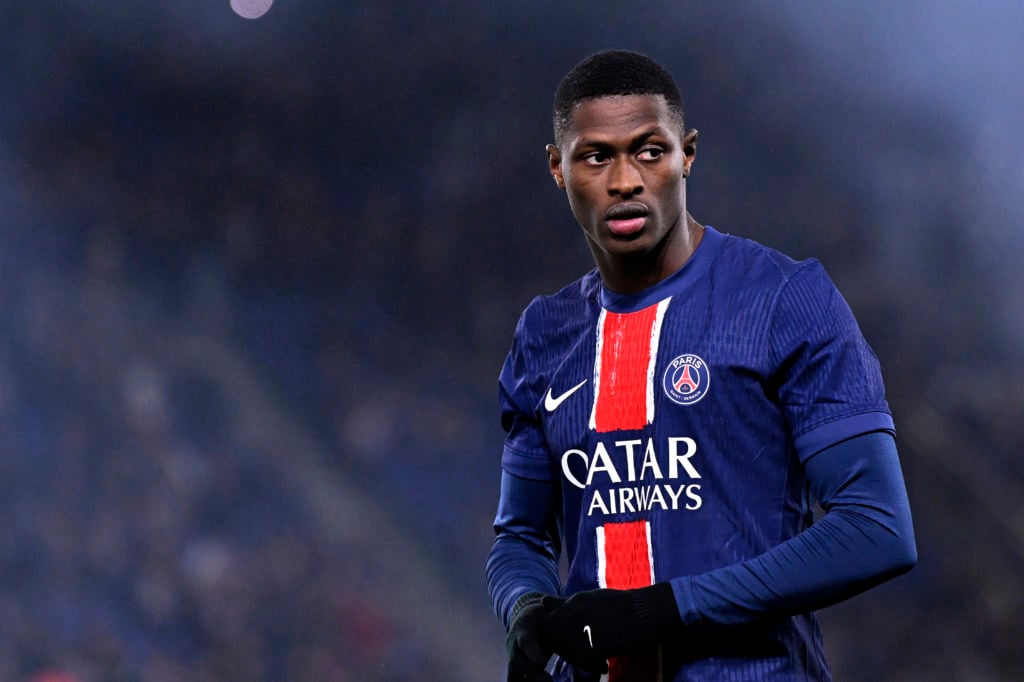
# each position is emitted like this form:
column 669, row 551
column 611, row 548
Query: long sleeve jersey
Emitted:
column 684, row 434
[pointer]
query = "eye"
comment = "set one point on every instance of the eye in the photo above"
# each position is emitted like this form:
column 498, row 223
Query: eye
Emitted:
column 650, row 153
column 595, row 159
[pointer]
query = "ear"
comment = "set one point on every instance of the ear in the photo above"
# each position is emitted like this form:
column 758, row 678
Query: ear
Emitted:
column 555, row 165
column 689, row 150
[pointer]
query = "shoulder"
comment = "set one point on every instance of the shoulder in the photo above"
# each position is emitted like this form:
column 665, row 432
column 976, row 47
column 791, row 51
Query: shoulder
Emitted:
column 751, row 263
column 550, row 314
column 547, row 330
column 794, row 301
column 759, row 287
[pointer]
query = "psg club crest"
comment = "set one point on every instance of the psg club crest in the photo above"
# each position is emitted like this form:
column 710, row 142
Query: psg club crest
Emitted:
column 686, row 379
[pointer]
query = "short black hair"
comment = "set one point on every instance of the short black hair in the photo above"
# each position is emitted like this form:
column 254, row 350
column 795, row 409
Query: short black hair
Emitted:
column 610, row 73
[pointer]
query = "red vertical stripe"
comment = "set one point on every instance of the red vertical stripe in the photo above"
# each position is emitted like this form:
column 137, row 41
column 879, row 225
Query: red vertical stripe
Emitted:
column 624, row 563
column 625, row 356
column 627, row 555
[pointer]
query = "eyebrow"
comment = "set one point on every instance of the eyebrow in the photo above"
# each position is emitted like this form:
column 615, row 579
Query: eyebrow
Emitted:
column 634, row 143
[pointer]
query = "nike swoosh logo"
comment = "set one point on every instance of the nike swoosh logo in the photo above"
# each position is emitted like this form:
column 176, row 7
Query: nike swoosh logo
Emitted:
column 551, row 404
column 586, row 629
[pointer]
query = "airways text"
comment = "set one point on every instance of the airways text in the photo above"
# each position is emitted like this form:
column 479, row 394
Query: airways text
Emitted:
column 635, row 461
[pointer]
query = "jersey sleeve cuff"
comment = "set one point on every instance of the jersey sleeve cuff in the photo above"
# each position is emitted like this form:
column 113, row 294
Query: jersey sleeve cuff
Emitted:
column 838, row 430
column 682, row 588
column 533, row 467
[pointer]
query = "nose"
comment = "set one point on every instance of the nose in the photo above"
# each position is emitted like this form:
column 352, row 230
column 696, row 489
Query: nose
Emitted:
column 625, row 179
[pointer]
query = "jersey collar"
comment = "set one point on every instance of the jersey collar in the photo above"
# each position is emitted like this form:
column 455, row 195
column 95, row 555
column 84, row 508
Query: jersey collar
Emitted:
column 674, row 284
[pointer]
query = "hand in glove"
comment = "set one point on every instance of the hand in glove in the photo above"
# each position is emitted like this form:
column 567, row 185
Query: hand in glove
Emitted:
column 527, row 653
column 590, row 627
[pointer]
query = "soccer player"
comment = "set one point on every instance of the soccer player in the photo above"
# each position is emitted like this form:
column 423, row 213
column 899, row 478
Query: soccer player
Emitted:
column 672, row 417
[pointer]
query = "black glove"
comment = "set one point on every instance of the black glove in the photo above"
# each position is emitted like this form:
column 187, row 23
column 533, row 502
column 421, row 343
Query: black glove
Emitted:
column 527, row 654
column 590, row 627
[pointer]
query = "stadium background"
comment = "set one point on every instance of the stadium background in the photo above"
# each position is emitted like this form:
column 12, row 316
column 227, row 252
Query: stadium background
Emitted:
column 259, row 277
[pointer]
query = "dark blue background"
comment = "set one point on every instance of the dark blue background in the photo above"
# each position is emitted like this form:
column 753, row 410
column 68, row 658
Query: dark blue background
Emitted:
column 259, row 277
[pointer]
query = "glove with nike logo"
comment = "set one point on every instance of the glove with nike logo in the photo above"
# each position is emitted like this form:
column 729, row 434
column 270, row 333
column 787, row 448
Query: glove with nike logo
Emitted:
column 527, row 653
column 590, row 627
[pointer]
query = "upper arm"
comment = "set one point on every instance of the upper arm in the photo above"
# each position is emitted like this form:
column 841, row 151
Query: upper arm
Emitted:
column 862, row 480
column 828, row 379
column 524, row 557
column 529, row 510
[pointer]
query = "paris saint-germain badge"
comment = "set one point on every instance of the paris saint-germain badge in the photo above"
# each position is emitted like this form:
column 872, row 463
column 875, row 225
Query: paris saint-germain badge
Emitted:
column 686, row 379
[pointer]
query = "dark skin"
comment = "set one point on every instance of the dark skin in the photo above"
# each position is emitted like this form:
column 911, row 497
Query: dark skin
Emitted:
column 623, row 162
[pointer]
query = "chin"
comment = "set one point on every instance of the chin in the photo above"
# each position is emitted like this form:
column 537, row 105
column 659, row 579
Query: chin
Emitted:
column 629, row 247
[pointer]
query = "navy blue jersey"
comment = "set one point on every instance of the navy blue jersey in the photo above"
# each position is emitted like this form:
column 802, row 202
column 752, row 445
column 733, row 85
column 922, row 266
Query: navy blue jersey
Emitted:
column 677, row 421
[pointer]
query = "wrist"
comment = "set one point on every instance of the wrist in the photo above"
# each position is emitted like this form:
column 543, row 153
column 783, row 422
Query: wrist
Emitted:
column 522, row 603
column 656, row 605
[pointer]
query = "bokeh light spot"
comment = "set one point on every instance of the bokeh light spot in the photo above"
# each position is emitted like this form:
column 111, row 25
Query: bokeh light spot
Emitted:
column 251, row 9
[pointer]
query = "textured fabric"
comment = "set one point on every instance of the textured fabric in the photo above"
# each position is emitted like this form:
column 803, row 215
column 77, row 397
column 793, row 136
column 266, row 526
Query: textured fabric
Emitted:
column 524, row 645
column 594, row 626
column 625, row 562
column 524, row 557
column 755, row 365
column 866, row 536
column 625, row 362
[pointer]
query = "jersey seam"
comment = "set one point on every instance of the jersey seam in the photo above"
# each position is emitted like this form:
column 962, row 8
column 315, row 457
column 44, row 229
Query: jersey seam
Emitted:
column 836, row 418
column 787, row 279
column 545, row 455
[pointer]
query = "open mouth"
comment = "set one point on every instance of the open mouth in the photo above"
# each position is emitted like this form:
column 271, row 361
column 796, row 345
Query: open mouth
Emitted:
column 626, row 218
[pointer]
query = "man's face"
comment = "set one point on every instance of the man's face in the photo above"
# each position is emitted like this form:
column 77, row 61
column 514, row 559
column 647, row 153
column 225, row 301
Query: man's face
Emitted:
column 623, row 162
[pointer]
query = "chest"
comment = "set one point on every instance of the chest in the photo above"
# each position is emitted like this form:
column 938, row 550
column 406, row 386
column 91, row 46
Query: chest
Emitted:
column 634, row 381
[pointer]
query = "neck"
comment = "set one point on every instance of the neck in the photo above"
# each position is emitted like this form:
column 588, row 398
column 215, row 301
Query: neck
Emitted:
column 630, row 274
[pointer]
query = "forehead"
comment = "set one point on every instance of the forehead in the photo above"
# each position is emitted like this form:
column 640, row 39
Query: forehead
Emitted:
column 619, row 116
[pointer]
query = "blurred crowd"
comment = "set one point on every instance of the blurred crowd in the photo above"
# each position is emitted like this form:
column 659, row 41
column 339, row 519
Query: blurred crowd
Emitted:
column 364, row 224
column 147, row 534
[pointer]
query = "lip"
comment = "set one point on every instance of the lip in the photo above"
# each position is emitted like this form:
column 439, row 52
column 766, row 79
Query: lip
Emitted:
column 626, row 218
column 626, row 210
